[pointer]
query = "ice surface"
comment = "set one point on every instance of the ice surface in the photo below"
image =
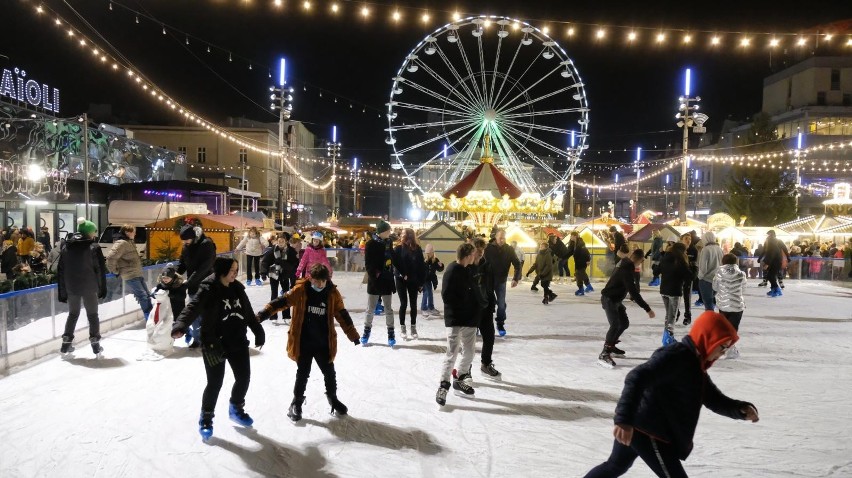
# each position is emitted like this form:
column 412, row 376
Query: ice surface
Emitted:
column 551, row 416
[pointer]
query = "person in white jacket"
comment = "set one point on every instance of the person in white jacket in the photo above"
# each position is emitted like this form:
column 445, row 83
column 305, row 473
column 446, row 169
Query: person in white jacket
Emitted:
column 729, row 284
column 254, row 244
column 709, row 260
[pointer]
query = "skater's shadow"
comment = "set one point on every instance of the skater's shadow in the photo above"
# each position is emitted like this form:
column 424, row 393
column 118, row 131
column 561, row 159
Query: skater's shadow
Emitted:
column 183, row 352
column 553, row 392
column 380, row 434
column 576, row 338
column 438, row 349
column 564, row 413
column 275, row 459
column 97, row 363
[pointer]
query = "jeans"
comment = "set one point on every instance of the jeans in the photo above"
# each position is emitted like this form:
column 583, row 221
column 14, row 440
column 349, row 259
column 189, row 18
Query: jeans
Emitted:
column 303, row 370
column 459, row 337
column 427, row 302
column 407, row 293
column 238, row 358
column 139, row 289
column 372, row 300
column 500, row 292
column 616, row 315
column 90, row 302
column 671, row 303
column 705, row 291
column 660, row 457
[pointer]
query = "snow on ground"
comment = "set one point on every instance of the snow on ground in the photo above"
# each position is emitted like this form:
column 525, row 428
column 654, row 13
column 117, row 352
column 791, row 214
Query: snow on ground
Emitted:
column 551, row 416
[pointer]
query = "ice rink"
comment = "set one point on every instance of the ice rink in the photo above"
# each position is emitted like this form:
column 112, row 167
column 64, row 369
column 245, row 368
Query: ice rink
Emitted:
column 551, row 416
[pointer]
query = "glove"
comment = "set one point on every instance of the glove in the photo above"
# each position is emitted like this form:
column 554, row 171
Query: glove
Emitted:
column 213, row 354
column 259, row 338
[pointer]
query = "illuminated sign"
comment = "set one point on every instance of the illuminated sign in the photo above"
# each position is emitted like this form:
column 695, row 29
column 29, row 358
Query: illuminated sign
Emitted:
column 16, row 86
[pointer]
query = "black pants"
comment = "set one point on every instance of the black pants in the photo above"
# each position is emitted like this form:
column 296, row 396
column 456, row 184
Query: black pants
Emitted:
column 660, row 457
column 303, row 370
column 90, row 302
column 238, row 358
column 252, row 261
column 486, row 330
column 286, row 282
column 687, row 290
column 772, row 271
column 734, row 318
column 616, row 315
column 407, row 291
column 581, row 277
column 545, row 285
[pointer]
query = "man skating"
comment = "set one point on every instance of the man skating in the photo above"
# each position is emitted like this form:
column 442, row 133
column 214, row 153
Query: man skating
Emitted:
column 378, row 260
column 501, row 255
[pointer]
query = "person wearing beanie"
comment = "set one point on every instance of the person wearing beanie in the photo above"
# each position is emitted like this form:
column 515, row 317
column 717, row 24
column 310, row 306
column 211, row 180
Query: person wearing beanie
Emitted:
column 196, row 261
column 658, row 411
column 314, row 254
column 81, row 274
column 709, row 261
column 378, row 260
column 433, row 266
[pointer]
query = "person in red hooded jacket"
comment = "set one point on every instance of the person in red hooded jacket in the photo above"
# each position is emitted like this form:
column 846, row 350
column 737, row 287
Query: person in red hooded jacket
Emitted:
column 657, row 414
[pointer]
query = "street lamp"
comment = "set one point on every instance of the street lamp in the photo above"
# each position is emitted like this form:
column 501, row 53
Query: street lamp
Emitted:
column 687, row 120
column 333, row 151
column 615, row 197
column 355, row 187
column 798, row 170
column 575, row 156
column 638, row 173
column 282, row 100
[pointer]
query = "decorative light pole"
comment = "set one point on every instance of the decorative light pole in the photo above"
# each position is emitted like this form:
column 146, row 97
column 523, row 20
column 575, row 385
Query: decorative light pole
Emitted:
column 798, row 171
column 355, row 187
column 615, row 197
column 333, row 151
column 575, row 156
column 638, row 173
column 686, row 121
column 282, row 99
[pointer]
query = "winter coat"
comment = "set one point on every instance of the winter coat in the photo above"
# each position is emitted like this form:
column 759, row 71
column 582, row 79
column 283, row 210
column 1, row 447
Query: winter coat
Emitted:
column 287, row 259
column 196, row 261
column 559, row 250
column 25, row 246
column 663, row 396
column 500, row 258
column 254, row 246
column 623, row 282
column 674, row 273
column 457, row 291
column 433, row 266
column 123, row 259
column 213, row 309
column 710, row 258
column 378, row 260
column 774, row 252
column 44, row 239
column 484, row 280
column 296, row 299
column 82, row 268
column 656, row 249
column 729, row 284
column 408, row 263
column 618, row 241
column 38, row 262
column 9, row 260
column 544, row 265
column 581, row 254
column 313, row 255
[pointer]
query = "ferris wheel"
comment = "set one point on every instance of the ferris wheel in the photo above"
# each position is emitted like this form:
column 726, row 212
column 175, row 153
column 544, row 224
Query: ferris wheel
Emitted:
column 487, row 76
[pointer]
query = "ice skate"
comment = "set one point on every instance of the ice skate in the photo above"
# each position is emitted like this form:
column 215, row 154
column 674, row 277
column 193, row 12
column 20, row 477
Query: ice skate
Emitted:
column 490, row 372
column 414, row 332
column 295, row 411
column 258, row 282
column 534, row 288
column 248, row 283
column 579, row 293
column 205, row 425
column 462, row 387
column 441, row 394
column 545, row 301
column 614, row 350
column 391, row 337
column 668, row 337
column 762, row 283
column 238, row 415
column 552, row 297
column 501, row 330
column 97, row 350
column 605, row 360
column 337, row 408
column 365, row 337
column 404, row 332
column 733, row 353
column 589, row 288
column 67, row 347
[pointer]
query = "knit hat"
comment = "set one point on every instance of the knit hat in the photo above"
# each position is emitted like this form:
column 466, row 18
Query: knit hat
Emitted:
column 709, row 331
column 187, row 232
column 87, row 228
column 430, row 249
column 382, row 226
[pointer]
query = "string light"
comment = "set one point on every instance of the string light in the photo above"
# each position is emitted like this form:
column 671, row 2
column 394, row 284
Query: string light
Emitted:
column 307, row 5
column 631, row 36
column 396, row 16
column 334, row 8
column 365, row 12
column 715, row 41
column 600, row 34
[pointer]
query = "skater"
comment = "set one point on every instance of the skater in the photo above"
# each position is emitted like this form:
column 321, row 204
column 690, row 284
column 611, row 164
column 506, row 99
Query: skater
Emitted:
column 658, row 411
column 253, row 244
column 316, row 304
column 123, row 260
column 433, row 266
column 544, row 271
column 692, row 258
column 709, row 261
column 614, row 292
column 196, row 261
column 618, row 241
column 279, row 264
column 675, row 272
column 82, row 279
column 225, row 312
column 582, row 257
column 501, row 256
column 314, row 254
column 484, row 280
column 774, row 253
column 560, row 255
column 378, row 260
column 655, row 253
column 729, row 284
column 519, row 253
column 410, row 273
column 462, row 312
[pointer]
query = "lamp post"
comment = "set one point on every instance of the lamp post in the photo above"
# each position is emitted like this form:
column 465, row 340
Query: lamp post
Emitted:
column 282, row 100
column 685, row 121
column 798, row 170
column 84, row 118
column 666, row 197
column 355, row 187
column 638, row 172
column 334, row 153
column 574, row 158
column 615, row 197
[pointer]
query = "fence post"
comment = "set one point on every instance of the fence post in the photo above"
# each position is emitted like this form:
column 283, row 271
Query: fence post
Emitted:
column 123, row 297
column 53, row 312
column 4, row 345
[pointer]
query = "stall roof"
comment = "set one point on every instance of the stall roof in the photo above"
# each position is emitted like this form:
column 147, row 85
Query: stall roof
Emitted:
column 439, row 230
column 211, row 221
column 644, row 234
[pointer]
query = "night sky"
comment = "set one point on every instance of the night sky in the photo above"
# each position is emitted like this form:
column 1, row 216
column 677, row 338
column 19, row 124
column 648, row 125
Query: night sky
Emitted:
column 632, row 91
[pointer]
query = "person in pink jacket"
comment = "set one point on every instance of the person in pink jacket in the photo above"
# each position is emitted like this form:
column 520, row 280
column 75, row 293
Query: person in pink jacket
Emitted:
column 314, row 254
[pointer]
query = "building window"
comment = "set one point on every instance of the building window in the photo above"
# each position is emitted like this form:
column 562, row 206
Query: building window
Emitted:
column 835, row 80
column 243, row 156
column 821, row 98
column 847, row 99
column 182, row 150
column 202, row 155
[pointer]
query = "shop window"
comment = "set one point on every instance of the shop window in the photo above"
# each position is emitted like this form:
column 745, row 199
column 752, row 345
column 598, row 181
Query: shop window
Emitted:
column 202, row 155
column 182, row 150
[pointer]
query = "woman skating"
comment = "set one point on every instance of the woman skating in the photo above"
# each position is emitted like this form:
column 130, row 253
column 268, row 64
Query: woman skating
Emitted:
column 253, row 244
column 410, row 274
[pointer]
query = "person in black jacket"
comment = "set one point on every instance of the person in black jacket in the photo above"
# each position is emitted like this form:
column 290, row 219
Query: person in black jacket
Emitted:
column 774, row 253
column 675, row 274
column 196, row 260
column 501, row 256
column 225, row 312
column 433, row 267
column 463, row 301
column 484, row 280
column 617, row 287
column 82, row 279
column 692, row 258
column 582, row 257
column 378, row 260
column 658, row 411
column 9, row 259
column 279, row 264
column 618, row 241
column 410, row 272
column 560, row 254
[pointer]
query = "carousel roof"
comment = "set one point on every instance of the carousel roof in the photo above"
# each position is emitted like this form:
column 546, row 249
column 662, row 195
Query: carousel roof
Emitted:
column 486, row 177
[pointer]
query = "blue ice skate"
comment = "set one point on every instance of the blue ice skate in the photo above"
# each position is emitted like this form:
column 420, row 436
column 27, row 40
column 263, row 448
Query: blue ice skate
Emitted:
column 205, row 425
column 668, row 337
column 238, row 415
column 589, row 288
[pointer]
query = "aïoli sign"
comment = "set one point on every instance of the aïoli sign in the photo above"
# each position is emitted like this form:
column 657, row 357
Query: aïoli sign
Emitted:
column 16, row 86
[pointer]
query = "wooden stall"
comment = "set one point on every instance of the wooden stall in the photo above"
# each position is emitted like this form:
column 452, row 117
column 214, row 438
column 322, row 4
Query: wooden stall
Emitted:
column 225, row 231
